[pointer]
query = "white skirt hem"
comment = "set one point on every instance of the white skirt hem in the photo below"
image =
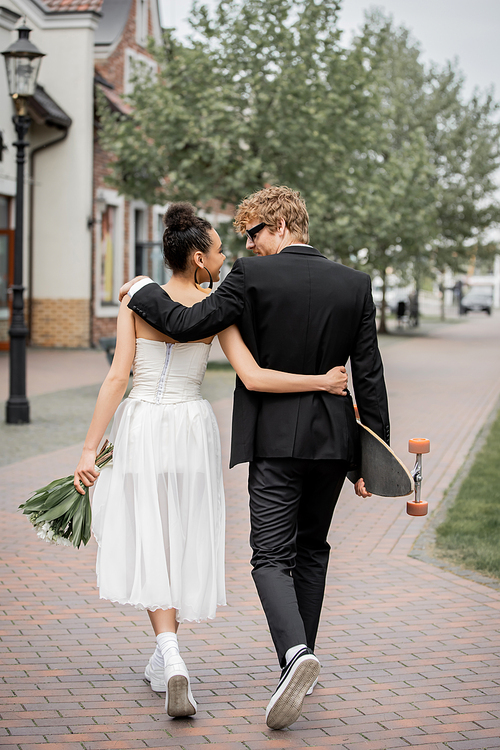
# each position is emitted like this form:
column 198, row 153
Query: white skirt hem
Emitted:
column 155, row 608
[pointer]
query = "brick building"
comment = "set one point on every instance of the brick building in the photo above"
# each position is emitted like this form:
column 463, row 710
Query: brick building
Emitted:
column 82, row 239
column 126, row 234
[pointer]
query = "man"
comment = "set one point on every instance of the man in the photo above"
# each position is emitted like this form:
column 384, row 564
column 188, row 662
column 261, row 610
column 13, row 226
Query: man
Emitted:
column 297, row 312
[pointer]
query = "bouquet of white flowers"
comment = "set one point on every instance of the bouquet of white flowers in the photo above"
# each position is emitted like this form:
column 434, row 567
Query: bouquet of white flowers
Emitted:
column 59, row 513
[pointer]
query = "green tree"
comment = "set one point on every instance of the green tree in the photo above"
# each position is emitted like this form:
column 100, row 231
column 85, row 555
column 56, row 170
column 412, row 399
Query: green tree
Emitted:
column 466, row 145
column 396, row 199
column 397, row 168
column 262, row 93
column 444, row 152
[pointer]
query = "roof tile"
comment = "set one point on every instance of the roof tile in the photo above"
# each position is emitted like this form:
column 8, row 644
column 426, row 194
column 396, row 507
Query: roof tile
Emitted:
column 73, row 5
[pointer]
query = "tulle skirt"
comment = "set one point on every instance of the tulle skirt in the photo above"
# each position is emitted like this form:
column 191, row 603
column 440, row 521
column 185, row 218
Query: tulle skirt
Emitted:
column 158, row 512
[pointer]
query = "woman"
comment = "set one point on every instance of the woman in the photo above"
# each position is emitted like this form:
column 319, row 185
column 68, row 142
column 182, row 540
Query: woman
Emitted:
column 158, row 512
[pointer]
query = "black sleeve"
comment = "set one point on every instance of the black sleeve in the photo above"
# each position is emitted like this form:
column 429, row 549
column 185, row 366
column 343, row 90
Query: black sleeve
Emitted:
column 368, row 373
column 208, row 317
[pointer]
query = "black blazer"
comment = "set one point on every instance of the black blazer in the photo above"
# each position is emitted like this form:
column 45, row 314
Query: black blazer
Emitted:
column 297, row 312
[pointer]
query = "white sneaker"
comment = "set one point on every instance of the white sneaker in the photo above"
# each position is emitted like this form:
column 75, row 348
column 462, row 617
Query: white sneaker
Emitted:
column 297, row 678
column 179, row 699
column 155, row 676
column 310, row 691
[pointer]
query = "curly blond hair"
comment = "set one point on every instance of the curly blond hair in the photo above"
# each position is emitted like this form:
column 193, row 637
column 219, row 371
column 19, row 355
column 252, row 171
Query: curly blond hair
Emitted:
column 270, row 205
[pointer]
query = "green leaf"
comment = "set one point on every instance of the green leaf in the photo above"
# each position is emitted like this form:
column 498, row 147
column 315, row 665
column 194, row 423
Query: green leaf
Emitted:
column 86, row 528
column 69, row 502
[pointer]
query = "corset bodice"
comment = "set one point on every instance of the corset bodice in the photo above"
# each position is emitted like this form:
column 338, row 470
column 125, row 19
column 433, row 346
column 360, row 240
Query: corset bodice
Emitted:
column 168, row 373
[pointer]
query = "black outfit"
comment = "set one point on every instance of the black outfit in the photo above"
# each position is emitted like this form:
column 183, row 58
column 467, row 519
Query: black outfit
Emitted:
column 297, row 312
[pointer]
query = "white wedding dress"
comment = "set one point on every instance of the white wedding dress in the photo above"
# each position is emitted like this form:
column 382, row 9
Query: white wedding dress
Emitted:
column 158, row 511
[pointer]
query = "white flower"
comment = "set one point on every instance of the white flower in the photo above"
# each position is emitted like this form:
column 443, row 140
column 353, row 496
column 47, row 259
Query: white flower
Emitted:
column 61, row 540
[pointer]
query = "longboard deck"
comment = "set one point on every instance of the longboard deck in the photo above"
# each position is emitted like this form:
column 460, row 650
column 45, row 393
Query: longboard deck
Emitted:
column 384, row 473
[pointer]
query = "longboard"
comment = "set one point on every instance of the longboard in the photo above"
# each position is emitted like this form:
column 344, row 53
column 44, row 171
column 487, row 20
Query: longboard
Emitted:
column 384, row 473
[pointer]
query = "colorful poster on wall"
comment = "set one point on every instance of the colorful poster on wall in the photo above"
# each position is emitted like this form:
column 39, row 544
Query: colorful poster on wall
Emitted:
column 108, row 248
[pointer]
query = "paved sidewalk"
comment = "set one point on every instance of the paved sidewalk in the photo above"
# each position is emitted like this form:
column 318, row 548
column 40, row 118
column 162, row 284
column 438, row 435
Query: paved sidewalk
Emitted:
column 410, row 652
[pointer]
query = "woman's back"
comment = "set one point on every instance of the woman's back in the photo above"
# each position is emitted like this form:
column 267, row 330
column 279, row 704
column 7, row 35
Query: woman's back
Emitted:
column 168, row 373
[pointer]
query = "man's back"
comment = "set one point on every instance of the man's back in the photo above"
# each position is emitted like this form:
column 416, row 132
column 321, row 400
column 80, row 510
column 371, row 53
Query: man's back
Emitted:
column 305, row 314
column 304, row 309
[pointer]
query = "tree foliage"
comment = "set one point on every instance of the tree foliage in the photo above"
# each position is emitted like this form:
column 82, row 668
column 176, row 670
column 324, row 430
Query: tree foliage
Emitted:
column 263, row 93
column 432, row 187
column 396, row 166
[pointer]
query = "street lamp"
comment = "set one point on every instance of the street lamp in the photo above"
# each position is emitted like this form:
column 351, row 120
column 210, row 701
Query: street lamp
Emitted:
column 22, row 60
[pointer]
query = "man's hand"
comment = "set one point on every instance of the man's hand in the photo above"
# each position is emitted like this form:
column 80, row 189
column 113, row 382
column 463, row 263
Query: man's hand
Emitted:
column 360, row 489
column 125, row 288
column 337, row 381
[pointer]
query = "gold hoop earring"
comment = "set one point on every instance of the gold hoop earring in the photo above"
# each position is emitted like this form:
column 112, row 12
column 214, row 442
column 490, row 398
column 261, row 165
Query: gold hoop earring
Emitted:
column 211, row 283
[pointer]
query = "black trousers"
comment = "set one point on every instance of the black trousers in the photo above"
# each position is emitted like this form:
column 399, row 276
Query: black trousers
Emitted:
column 291, row 507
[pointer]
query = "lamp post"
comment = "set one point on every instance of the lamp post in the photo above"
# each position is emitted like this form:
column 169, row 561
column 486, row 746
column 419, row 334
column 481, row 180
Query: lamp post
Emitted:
column 22, row 60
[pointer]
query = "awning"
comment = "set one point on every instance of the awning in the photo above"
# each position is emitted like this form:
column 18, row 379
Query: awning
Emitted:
column 44, row 110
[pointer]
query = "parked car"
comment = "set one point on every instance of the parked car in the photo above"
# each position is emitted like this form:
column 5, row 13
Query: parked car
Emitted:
column 476, row 301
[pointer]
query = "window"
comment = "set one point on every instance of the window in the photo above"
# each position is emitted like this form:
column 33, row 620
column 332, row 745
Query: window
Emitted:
column 108, row 255
column 141, row 22
column 160, row 272
column 6, row 269
column 137, row 65
column 140, row 238
column 146, row 254
column 4, row 212
column 109, row 260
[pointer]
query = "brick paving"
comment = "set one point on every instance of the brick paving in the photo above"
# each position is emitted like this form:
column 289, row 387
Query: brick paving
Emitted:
column 410, row 652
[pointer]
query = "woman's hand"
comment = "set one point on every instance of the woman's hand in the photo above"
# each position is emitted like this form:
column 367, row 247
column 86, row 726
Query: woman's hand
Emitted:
column 336, row 381
column 86, row 471
column 360, row 489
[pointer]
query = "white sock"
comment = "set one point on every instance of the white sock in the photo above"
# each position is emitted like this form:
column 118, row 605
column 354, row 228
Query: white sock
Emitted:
column 292, row 651
column 168, row 645
column 157, row 659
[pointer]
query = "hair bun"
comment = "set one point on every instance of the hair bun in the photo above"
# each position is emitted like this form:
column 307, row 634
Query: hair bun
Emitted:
column 184, row 233
column 179, row 217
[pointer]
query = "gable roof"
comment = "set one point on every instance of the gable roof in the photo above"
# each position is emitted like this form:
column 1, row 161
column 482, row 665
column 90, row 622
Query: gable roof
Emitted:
column 73, row 5
column 114, row 15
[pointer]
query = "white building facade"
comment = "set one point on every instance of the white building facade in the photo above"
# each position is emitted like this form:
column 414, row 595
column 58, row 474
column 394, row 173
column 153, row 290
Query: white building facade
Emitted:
column 79, row 239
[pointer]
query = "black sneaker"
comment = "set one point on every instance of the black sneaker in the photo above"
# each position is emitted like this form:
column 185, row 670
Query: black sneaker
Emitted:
column 296, row 678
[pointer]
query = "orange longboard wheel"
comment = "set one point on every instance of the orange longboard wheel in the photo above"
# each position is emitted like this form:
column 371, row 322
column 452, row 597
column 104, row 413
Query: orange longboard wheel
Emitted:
column 417, row 509
column 419, row 445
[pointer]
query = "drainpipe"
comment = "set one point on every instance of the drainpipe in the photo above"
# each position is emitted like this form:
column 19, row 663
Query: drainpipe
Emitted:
column 31, row 215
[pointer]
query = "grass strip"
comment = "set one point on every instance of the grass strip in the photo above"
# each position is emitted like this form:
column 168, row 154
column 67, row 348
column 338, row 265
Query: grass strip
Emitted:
column 470, row 534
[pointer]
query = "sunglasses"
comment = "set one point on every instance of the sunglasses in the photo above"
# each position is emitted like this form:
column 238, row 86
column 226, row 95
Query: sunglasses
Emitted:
column 250, row 233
